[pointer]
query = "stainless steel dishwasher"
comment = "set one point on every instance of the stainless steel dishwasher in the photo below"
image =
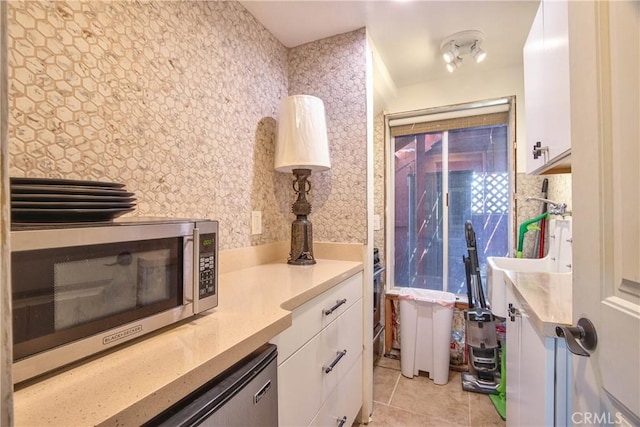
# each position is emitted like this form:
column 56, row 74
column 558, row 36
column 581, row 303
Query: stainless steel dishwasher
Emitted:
column 244, row 395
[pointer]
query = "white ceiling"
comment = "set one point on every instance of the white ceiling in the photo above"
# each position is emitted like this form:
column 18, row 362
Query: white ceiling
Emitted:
column 407, row 34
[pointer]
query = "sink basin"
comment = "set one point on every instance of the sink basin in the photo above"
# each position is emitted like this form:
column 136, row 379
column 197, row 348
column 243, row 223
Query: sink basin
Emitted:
column 496, row 287
column 558, row 260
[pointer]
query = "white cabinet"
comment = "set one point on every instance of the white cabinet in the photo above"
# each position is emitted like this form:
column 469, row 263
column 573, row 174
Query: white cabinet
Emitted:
column 320, row 359
column 343, row 404
column 547, row 89
column 537, row 372
column 309, row 318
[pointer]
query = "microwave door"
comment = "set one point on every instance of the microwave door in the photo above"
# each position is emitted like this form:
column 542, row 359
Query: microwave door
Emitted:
column 62, row 295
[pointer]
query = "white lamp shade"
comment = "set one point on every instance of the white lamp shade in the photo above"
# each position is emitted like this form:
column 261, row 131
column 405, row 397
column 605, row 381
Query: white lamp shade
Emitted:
column 301, row 141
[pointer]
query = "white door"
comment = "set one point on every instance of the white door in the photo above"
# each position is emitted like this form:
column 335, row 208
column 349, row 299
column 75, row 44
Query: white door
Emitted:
column 606, row 202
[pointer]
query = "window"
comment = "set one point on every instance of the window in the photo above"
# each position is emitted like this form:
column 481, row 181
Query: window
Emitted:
column 447, row 169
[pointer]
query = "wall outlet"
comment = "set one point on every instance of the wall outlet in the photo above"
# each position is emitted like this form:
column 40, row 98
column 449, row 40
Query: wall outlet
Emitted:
column 256, row 222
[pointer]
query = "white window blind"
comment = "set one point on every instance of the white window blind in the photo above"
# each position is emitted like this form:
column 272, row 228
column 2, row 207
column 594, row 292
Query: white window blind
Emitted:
column 437, row 120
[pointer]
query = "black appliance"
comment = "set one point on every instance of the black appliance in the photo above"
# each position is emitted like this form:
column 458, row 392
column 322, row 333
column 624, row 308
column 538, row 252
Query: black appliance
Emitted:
column 482, row 342
column 378, row 298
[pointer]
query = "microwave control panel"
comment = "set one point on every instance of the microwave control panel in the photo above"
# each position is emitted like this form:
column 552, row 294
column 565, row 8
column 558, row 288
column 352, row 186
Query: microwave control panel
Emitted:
column 207, row 265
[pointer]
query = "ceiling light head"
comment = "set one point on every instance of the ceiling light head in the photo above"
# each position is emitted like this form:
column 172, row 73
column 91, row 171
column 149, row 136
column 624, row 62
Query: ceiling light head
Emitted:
column 477, row 52
column 453, row 65
column 450, row 52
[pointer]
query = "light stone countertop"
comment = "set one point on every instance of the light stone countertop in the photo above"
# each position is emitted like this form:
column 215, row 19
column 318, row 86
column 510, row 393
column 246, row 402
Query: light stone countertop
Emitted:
column 546, row 298
column 132, row 384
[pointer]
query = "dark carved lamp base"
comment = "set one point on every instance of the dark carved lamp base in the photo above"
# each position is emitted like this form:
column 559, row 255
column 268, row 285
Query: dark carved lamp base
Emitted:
column 301, row 228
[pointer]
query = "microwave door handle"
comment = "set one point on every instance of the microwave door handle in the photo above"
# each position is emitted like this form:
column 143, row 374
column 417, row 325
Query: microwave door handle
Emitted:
column 195, row 287
column 188, row 287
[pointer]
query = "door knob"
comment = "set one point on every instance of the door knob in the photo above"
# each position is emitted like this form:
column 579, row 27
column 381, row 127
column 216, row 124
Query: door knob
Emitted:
column 579, row 338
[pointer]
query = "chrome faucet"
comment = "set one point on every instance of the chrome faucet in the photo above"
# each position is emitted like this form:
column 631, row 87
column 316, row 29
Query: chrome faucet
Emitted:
column 555, row 208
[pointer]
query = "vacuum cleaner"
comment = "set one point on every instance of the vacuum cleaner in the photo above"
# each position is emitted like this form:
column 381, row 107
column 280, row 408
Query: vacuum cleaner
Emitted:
column 482, row 342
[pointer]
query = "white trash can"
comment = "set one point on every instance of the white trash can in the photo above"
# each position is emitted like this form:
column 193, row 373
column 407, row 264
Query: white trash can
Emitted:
column 425, row 332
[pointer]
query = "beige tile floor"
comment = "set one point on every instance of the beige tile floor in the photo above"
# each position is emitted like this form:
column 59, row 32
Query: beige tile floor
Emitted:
column 400, row 401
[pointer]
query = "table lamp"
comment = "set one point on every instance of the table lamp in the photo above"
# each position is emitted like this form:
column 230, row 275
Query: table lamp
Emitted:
column 302, row 147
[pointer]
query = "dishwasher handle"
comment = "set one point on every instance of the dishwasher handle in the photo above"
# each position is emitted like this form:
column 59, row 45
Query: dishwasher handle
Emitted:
column 263, row 390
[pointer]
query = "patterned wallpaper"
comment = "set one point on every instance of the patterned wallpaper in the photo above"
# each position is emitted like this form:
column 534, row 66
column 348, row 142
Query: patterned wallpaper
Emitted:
column 179, row 101
column 334, row 69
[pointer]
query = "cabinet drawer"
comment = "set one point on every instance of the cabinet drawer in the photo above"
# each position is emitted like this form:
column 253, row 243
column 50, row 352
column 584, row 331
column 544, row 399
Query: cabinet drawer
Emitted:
column 303, row 383
column 345, row 401
column 310, row 317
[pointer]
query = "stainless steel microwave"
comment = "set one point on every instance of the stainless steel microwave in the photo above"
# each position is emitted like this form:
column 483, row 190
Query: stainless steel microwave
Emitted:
column 80, row 289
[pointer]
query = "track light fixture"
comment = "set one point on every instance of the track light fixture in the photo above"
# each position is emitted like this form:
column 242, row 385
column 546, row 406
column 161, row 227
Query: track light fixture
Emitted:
column 459, row 44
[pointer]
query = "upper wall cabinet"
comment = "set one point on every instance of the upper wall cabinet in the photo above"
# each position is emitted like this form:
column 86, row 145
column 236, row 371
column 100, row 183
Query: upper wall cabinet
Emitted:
column 547, row 91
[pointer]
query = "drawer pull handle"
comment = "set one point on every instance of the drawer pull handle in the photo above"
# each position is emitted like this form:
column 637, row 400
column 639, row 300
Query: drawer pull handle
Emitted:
column 335, row 307
column 335, row 361
column 342, row 421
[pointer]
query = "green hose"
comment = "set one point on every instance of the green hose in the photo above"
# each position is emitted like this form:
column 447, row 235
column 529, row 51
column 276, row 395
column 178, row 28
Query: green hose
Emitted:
column 527, row 226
